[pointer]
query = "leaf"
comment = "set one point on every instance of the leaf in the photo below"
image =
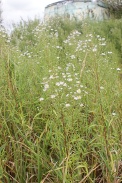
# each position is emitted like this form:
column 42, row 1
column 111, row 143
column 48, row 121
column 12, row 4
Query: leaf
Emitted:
column 2, row 147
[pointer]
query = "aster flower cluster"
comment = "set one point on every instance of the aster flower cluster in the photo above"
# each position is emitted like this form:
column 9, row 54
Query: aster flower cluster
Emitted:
column 63, row 83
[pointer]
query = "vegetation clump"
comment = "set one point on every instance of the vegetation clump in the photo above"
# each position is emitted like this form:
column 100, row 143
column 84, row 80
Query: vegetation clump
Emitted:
column 61, row 102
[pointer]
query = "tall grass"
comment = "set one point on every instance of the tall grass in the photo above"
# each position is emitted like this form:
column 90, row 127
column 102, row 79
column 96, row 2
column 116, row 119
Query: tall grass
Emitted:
column 61, row 103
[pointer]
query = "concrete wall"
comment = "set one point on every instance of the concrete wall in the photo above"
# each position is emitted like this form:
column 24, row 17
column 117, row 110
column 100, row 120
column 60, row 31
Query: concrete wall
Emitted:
column 79, row 9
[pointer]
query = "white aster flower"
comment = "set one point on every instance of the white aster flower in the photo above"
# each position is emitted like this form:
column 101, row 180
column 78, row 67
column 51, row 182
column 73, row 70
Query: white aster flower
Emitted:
column 52, row 96
column 59, row 67
column 67, row 105
column 41, row 99
column 101, row 87
column 81, row 105
column 51, row 77
column 72, row 56
column 113, row 114
column 69, row 79
column 81, row 86
column 118, row 69
column 94, row 49
column 58, row 47
column 78, row 82
column 59, row 83
column 64, row 84
column 79, row 91
column 77, row 97
column 103, row 54
column 46, row 86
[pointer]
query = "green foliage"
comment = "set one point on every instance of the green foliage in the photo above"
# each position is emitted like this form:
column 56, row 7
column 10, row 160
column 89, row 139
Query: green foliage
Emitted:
column 64, row 27
column 112, row 31
column 22, row 34
column 60, row 102
column 116, row 13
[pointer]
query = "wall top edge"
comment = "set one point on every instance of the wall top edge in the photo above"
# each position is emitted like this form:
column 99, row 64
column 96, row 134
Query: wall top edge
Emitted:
column 100, row 3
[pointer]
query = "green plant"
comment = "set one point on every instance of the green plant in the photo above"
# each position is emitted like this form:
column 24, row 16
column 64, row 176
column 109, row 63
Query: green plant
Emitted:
column 60, row 103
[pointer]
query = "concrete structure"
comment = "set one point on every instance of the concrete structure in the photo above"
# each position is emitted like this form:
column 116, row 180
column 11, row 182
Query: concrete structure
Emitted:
column 78, row 9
